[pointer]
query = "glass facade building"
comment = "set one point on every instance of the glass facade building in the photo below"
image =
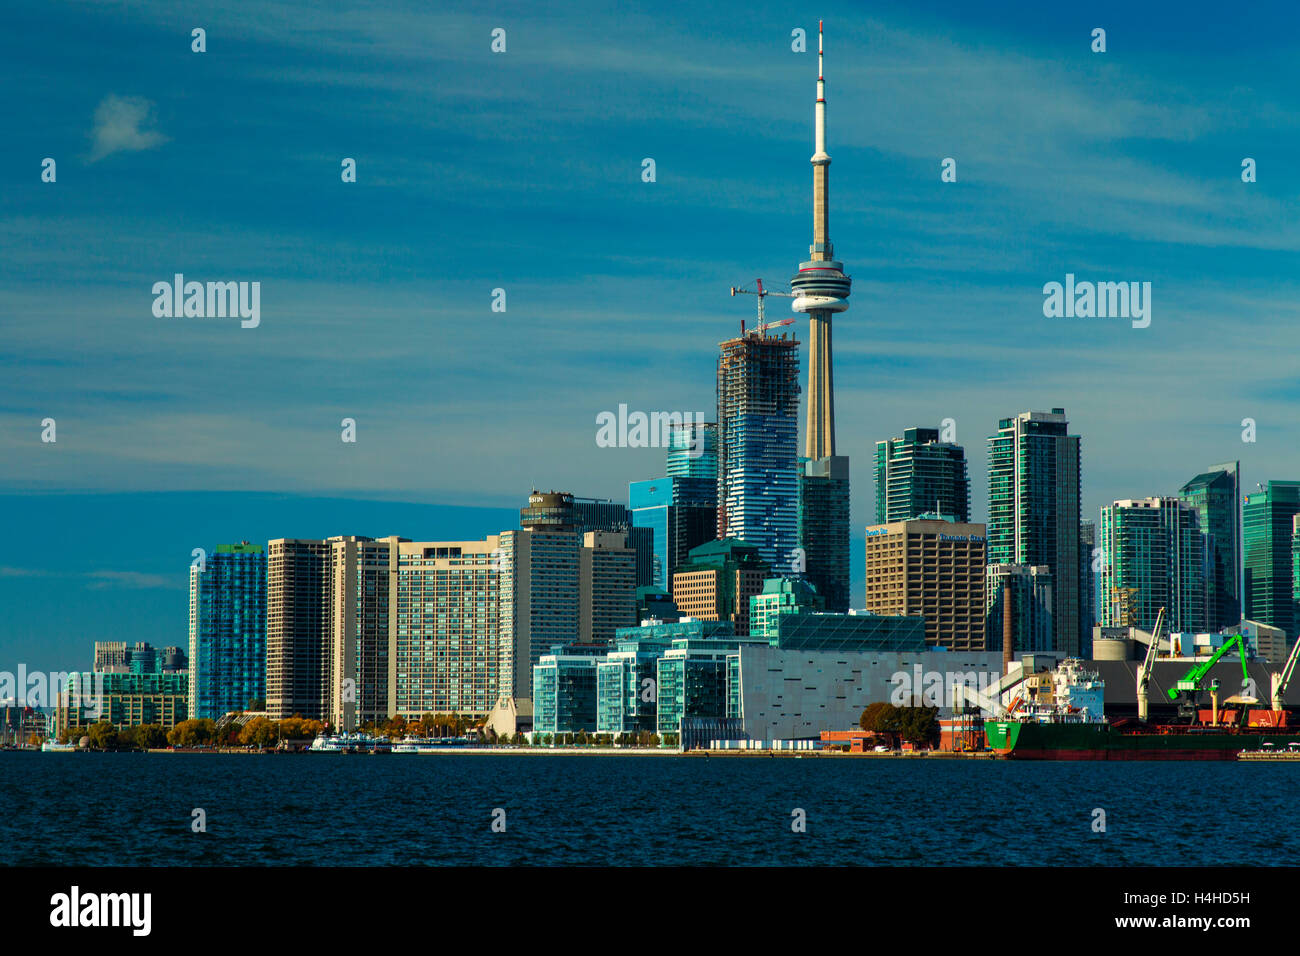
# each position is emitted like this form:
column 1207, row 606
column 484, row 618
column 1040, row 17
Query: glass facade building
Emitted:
column 918, row 474
column 1216, row 497
column 780, row 596
column 227, row 632
column 564, row 690
column 1267, row 530
column 680, row 513
column 1153, row 556
column 758, row 409
column 822, row 508
column 1034, row 516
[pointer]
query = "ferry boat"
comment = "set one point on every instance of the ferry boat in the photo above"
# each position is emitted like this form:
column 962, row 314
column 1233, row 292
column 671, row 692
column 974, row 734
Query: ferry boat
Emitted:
column 350, row 744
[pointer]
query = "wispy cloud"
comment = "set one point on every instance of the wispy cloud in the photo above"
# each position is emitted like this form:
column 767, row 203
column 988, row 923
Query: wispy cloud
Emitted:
column 133, row 579
column 122, row 126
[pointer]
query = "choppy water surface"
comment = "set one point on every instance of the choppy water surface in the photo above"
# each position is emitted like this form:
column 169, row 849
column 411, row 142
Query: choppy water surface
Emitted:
column 136, row 809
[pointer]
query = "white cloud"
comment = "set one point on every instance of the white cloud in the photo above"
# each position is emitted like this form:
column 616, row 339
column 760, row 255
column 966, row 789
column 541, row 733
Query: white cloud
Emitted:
column 121, row 126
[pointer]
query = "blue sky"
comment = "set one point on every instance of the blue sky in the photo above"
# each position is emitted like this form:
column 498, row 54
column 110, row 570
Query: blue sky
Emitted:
column 522, row 171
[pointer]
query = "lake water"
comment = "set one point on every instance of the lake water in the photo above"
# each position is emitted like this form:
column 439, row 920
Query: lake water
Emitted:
column 136, row 809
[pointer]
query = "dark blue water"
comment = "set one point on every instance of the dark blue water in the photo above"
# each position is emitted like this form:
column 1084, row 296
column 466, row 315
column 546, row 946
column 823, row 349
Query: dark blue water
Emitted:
column 135, row 809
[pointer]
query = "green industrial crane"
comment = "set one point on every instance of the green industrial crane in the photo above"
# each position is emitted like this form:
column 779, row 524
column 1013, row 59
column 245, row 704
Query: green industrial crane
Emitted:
column 1191, row 682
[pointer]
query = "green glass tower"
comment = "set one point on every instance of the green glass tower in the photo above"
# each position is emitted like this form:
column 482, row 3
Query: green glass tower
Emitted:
column 919, row 474
column 1153, row 550
column 1268, row 594
column 1216, row 496
column 1034, row 485
column 822, row 507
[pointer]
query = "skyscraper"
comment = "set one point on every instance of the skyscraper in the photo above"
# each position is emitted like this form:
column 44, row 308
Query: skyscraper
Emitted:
column 297, row 628
column 821, row 289
column 1267, row 526
column 919, row 474
column 554, row 510
column 362, row 572
column 693, row 451
column 1216, row 496
column 1034, row 491
column 758, row 411
column 448, row 652
column 680, row 509
column 1153, row 557
column 227, row 630
column 933, row 568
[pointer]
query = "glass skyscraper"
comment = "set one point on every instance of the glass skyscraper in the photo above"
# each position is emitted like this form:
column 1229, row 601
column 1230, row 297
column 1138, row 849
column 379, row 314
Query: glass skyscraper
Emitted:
column 1267, row 528
column 227, row 630
column 1153, row 557
column 918, row 475
column 680, row 510
column 1034, row 517
column 1216, row 496
column 758, row 409
column 822, row 506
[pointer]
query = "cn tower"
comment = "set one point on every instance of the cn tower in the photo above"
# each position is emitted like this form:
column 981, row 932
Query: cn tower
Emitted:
column 821, row 289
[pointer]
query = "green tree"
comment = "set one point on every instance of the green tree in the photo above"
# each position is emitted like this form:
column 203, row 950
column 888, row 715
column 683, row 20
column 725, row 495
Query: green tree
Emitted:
column 919, row 726
column 151, row 736
column 880, row 717
column 103, row 736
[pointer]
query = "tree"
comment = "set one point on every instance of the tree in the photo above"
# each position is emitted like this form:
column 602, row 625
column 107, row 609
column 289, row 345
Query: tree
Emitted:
column 256, row 703
column 880, row 717
column 192, row 733
column 150, row 736
column 259, row 732
column 103, row 735
column 919, row 726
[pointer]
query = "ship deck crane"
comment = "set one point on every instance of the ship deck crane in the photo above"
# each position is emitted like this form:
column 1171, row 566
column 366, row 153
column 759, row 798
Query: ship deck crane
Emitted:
column 1144, row 670
column 762, row 293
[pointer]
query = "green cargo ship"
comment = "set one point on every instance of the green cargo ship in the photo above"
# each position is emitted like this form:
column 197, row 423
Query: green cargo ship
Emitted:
column 1077, row 740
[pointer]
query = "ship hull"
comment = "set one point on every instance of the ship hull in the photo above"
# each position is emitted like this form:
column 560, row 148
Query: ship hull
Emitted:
column 1059, row 741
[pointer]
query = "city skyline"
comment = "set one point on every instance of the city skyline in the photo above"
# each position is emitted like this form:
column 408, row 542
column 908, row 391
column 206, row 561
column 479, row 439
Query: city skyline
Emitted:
column 175, row 410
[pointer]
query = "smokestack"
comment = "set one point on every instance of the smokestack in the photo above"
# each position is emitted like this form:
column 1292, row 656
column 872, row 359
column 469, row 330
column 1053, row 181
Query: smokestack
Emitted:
column 1008, row 628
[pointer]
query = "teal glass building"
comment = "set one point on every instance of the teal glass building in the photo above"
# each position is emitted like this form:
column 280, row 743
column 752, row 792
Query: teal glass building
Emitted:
column 918, row 474
column 227, row 653
column 1216, row 496
column 1267, row 530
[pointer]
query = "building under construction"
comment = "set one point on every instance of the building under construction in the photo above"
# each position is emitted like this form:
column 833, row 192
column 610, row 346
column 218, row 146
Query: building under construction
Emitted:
column 758, row 409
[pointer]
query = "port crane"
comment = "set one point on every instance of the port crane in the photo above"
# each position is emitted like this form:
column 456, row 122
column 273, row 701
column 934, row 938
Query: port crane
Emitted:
column 1280, row 681
column 1148, row 663
column 1190, row 683
column 762, row 293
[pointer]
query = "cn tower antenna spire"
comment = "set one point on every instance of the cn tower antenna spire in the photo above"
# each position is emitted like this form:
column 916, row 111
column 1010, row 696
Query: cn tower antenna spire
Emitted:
column 821, row 98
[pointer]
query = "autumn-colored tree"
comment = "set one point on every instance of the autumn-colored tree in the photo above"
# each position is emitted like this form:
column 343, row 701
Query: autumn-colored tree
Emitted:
column 150, row 736
column 103, row 735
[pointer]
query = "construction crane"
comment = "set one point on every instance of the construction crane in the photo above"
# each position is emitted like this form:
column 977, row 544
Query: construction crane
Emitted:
column 762, row 294
column 1148, row 662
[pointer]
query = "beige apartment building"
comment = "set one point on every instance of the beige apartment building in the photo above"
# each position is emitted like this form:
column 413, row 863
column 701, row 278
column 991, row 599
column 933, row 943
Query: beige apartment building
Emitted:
column 934, row 568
